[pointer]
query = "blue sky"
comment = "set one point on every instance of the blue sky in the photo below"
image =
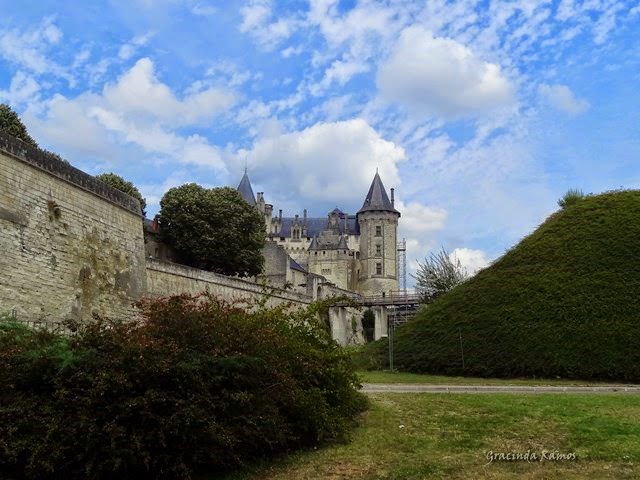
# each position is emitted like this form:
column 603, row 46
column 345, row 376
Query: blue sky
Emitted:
column 480, row 113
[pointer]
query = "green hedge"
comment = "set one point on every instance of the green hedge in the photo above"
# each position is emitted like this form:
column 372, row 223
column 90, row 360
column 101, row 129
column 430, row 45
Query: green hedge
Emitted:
column 195, row 384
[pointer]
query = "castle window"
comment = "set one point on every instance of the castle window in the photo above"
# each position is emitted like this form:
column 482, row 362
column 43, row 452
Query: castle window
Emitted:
column 378, row 230
column 326, row 271
column 378, row 268
column 378, row 249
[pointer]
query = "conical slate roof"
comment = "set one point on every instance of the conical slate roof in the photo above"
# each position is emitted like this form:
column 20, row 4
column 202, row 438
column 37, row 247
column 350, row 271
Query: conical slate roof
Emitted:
column 377, row 199
column 314, row 244
column 246, row 191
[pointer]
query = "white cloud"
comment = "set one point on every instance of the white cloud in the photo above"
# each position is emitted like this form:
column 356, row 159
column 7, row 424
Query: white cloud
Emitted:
column 140, row 96
column 203, row 10
column 562, row 98
column 472, row 260
column 431, row 75
column 232, row 74
column 339, row 72
column 419, row 220
column 325, row 162
column 23, row 88
column 256, row 18
column 291, row 51
column 127, row 50
column 137, row 111
column 29, row 49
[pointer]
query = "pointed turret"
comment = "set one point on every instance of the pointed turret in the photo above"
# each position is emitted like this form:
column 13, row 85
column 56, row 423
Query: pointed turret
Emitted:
column 378, row 223
column 246, row 191
column 377, row 198
column 314, row 244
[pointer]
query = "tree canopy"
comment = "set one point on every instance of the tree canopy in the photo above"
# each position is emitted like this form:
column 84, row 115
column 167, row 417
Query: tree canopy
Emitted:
column 10, row 123
column 119, row 183
column 213, row 229
column 438, row 274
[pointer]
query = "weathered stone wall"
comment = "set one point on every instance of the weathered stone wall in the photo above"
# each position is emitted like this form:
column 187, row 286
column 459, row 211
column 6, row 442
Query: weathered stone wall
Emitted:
column 71, row 246
column 165, row 278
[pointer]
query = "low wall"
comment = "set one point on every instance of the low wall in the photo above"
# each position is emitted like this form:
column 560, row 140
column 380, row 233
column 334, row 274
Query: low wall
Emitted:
column 164, row 279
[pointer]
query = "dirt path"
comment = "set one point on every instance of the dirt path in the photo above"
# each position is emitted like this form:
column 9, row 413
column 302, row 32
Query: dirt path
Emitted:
column 424, row 388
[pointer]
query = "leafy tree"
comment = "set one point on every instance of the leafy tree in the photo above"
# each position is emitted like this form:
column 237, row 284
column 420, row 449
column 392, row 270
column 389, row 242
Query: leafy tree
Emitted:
column 438, row 274
column 10, row 123
column 213, row 229
column 119, row 183
column 572, row 196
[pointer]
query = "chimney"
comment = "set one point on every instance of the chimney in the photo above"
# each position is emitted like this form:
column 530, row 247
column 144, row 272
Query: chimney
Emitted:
column 280, row 215
column 304, row 213
column 346, row 224
column 392, row 197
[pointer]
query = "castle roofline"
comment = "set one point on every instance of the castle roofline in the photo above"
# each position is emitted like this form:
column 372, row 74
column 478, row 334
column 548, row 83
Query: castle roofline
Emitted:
column 246, row 191
column 377, row 198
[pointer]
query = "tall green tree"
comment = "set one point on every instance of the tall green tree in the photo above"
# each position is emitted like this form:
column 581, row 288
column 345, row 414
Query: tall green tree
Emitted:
column 10, row 123
column 438, row 274
column 213, row 229
column 119, row 183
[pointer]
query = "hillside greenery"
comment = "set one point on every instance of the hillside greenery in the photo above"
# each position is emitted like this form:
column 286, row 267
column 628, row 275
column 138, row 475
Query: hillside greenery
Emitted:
column 193, row 384
column 564, row 302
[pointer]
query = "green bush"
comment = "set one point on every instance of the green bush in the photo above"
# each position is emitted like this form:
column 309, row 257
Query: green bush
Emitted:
column 194, row 384
column 571, row 197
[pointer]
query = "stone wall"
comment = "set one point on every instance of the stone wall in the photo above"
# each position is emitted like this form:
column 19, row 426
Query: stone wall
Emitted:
column 72, row 247
column 165, row 279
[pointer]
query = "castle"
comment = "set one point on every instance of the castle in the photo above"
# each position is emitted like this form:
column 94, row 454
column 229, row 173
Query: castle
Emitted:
column 75, row 249
column 357, row 252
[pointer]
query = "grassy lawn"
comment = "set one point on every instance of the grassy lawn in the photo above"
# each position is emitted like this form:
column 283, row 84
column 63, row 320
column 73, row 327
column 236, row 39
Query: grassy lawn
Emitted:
column 418, row 436
column 401, row 377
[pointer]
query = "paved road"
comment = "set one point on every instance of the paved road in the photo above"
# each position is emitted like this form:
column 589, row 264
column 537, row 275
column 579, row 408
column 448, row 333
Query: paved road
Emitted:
column 424, row 388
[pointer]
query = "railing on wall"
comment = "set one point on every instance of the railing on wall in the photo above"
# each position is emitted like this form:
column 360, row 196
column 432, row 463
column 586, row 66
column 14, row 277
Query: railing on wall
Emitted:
column 53, row 326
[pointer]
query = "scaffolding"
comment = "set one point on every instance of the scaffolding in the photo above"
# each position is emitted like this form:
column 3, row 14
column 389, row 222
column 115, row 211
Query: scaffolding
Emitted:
column 402, row 265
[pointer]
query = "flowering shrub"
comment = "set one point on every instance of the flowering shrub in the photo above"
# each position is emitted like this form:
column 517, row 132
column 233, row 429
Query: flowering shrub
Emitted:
column 194, row 384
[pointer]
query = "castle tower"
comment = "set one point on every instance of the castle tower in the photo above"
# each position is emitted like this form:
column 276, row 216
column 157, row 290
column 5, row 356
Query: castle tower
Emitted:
column 378, row 221
column 246, row 191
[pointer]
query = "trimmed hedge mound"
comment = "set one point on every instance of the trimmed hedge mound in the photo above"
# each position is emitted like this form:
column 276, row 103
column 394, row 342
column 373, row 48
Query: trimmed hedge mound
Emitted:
column 564, row 302
column 195, row 385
